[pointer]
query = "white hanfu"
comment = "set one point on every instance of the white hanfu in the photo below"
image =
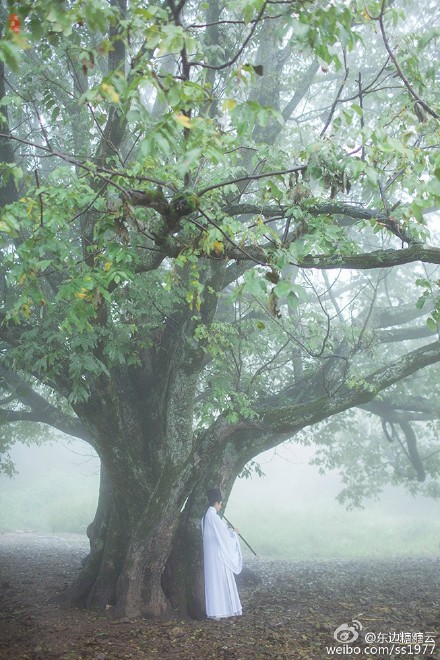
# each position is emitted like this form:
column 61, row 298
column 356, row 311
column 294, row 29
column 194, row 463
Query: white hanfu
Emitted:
column 222, row 558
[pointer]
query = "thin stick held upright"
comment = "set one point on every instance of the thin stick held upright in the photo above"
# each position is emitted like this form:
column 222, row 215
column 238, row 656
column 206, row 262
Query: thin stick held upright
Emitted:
column 244, row 540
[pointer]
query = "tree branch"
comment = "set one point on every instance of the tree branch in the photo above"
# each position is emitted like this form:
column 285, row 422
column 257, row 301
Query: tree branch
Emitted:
column 404, row 334
column 401, row 75
column 295, row 417
column 249, row 177
column 337, row 97
column 240, row 50
column 41, row 410
column 413, row 407
column 348, row 213
column 375, row 259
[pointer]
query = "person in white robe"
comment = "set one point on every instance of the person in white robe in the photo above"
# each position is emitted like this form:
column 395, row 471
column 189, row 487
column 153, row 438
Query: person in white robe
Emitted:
column 222, row 558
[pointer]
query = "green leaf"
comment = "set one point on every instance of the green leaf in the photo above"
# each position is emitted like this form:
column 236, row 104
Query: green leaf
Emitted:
column 10, row 54
column 283, row 288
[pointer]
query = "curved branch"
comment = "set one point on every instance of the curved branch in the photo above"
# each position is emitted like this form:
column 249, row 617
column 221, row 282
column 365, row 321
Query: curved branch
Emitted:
column 41, row 410
column 375, row 259
column 367, row 261
column 404, row 334
column 387, row 317
column 412, row 451
column 278, row 423
column 241, row 49
column 338, row 96
column 67, row 426
column 293, row 418
column 300, row 91
column 400, row 73
column 349, row 213
column 411, row 406
column 250, row 177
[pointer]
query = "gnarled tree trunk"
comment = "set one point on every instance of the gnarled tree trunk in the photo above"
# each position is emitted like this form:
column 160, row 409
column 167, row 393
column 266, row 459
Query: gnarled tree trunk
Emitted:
column 146, row 550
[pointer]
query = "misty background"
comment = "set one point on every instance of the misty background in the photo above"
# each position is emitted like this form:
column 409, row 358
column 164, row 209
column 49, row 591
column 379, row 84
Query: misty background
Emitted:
column 289, row 513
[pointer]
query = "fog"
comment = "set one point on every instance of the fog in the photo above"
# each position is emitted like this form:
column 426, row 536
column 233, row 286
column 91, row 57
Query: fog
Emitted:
column 291, row 512
column 55, row 488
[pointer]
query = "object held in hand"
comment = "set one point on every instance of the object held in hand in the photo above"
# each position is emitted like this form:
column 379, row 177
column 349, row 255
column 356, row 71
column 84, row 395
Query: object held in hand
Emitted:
column 236, row 530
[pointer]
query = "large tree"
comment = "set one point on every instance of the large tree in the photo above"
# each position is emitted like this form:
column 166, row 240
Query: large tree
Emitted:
column 206, row 211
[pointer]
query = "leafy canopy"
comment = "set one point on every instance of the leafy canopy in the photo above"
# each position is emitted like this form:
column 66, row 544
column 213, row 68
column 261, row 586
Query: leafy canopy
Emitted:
column 144, row 145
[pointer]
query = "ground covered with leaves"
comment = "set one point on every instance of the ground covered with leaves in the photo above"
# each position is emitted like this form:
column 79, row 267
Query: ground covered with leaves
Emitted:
column 291, row 610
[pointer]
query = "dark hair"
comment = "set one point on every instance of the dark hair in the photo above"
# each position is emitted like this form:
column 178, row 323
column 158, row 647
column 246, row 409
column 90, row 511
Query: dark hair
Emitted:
column 214, row 495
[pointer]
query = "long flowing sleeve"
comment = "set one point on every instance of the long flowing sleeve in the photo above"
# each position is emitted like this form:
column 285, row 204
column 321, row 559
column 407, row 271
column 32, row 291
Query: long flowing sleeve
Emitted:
column 229, row 550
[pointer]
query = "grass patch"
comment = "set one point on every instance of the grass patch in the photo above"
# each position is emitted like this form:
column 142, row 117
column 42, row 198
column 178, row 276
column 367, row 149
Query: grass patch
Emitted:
column 333, row 533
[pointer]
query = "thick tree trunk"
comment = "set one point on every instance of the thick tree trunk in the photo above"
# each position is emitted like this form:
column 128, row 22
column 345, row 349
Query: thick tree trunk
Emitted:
column 139, row 590
column 148, row 560
column 131, row 539
column 95, row 585
column 182, row 580
column 127, row 559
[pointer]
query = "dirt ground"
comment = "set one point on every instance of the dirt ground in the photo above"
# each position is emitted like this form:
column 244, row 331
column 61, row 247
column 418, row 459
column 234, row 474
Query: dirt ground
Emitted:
column 291, row 611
